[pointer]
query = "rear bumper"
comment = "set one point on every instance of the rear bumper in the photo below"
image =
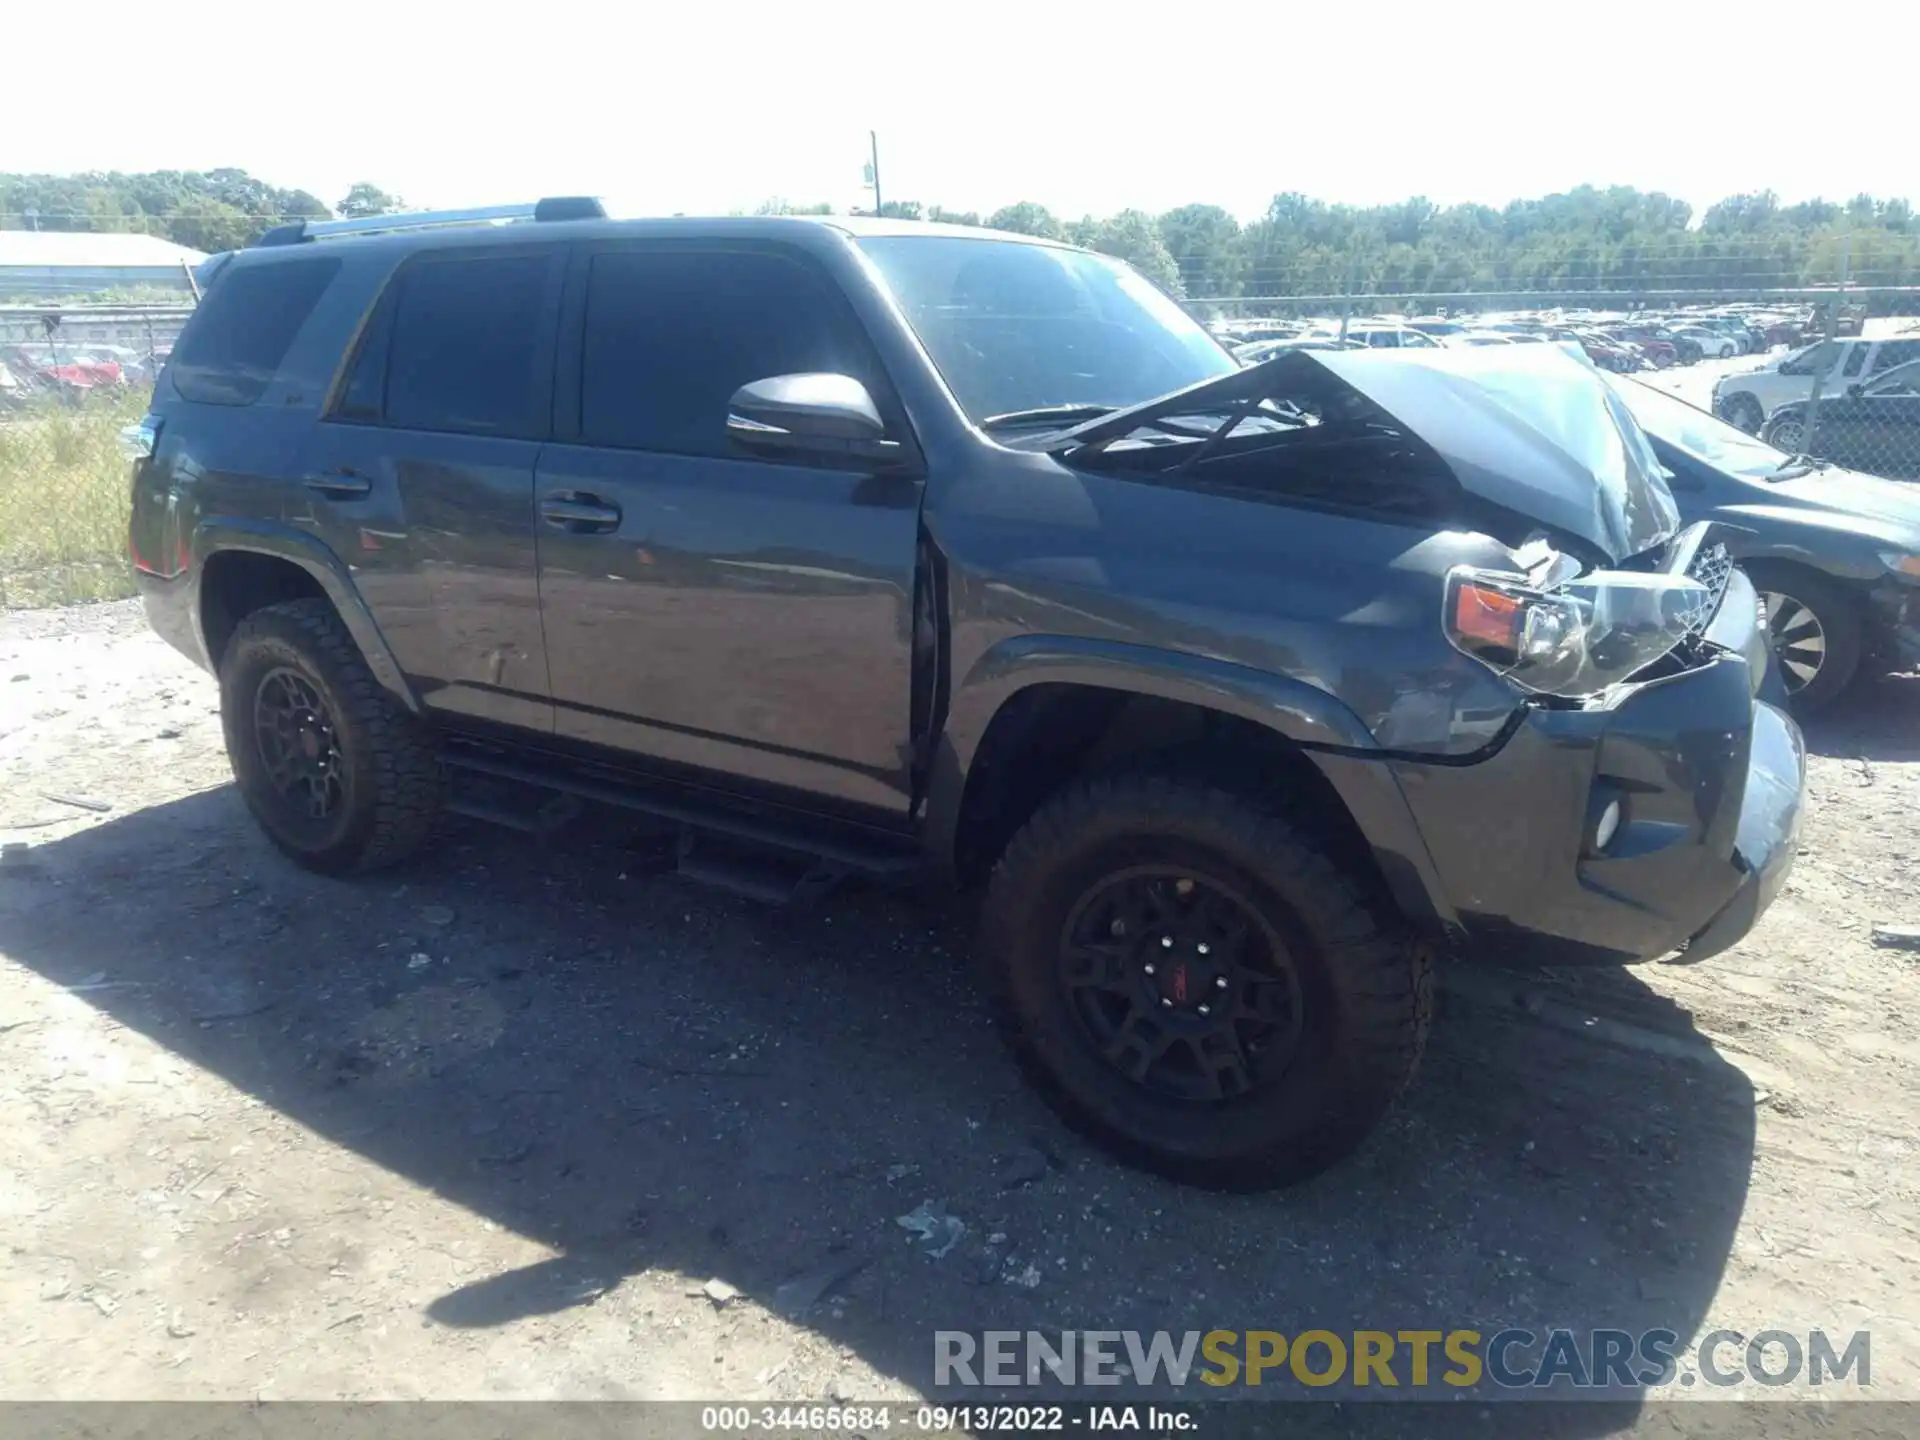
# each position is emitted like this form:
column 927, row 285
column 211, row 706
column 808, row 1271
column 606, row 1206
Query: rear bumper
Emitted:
column 173, row 610
column 1709, row 781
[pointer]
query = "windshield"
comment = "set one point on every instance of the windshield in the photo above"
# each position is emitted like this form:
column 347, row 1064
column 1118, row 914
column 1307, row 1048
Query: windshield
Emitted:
column 1703, row 436
column 1014, row 327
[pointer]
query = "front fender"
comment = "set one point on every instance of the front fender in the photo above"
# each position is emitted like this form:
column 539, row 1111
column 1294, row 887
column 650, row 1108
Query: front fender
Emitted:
column 285, row 542
column 1324, row 729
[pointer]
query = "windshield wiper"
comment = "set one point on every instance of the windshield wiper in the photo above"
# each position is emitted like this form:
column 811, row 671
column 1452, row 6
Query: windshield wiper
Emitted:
column 1047, row 415
column 1795, row 466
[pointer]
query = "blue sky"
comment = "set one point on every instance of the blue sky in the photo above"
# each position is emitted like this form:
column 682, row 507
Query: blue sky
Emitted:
column 704, row 108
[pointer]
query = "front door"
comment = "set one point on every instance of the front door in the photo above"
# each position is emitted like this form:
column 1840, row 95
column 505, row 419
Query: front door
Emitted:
column 421, row 476
column 745, row 616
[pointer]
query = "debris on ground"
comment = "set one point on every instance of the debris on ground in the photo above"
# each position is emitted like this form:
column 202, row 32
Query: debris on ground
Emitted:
column 1027, row 1277
column 419, row 960
column 1022, row 1167
column 800, row 1294
column 438, row 916
column 1897, row 937
column 79, row 802
column 720, row 1292
column 937, row 1228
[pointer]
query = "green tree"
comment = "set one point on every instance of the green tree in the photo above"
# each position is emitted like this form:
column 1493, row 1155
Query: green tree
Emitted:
column 1026, row 218
column 364, row 199
column 1133, row 236
column 1204, row 241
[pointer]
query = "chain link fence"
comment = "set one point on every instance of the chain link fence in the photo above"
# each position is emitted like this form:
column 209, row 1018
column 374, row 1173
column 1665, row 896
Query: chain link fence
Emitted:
column 1862, row 393
column 71, row 378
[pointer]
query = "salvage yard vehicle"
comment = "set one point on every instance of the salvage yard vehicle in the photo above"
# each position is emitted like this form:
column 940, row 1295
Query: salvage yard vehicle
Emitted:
column 1751, row 398
column 1834, row 554
column 859, row 548
column 1874, row 425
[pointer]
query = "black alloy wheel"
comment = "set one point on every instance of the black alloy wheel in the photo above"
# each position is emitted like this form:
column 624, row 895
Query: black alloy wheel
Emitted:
column 1179, row 984
column 298, row 745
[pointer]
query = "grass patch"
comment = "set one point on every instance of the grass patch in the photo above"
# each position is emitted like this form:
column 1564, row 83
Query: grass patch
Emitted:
column 65, row 489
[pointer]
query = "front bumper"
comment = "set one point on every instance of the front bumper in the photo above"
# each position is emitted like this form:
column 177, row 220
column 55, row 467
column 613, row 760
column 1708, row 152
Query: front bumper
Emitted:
column 1894, row 611
column 1710, row 781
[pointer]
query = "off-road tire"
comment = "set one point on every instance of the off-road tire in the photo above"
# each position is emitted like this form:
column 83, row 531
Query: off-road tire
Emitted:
column 391, row 775
column 1367, row 987
column 1839, row 619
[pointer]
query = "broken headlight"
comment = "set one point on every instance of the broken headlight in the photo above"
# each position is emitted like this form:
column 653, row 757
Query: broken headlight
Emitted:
column 1574, row 637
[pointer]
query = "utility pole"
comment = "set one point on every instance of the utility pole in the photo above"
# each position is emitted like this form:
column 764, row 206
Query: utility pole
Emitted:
column 873, row 167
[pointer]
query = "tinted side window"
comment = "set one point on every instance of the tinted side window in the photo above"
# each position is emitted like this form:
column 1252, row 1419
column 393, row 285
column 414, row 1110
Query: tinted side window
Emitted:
column 366, row 391
column 670, row 335
column 1895, row 352
column 1814, row 361
column 243, row 329
column 465, row 353
column 1855, row 358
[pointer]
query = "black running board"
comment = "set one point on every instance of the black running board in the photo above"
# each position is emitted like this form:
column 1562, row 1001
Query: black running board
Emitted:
column 756, row 856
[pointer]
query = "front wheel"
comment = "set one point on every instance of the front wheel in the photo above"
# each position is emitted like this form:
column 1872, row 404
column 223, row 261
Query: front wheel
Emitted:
column 1815, row 629
column 1743, row 412
column 337, row 773
column 1786, row 431
column 1193, row 981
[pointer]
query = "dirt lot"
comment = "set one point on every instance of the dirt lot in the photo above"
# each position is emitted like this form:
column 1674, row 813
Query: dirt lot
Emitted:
column 486, row 1128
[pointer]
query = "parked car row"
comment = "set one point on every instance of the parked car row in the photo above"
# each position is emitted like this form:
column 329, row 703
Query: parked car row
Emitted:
column 1616, row 342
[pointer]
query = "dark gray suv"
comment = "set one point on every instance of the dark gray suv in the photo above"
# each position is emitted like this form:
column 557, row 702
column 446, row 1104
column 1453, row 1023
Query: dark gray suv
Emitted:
column 860, row 549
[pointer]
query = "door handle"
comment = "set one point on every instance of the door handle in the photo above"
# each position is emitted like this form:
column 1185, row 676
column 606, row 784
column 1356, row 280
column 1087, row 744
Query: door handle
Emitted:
column 341, row 484
column 581, row 514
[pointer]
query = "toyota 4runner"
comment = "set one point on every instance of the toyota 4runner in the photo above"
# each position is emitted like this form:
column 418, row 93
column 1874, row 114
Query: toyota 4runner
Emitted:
column 850, row 548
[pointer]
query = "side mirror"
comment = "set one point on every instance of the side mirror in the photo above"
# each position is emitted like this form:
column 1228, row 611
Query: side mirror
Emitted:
column 814, row 415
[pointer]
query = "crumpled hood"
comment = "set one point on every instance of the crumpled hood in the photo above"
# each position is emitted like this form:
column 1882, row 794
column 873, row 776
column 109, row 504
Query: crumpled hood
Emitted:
column 1524, row 427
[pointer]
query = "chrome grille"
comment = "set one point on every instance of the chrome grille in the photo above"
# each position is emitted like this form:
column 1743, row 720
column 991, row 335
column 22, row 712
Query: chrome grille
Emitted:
column 1712, row 566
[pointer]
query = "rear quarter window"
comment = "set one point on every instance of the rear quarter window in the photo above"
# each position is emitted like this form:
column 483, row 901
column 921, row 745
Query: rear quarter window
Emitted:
column 236, row 340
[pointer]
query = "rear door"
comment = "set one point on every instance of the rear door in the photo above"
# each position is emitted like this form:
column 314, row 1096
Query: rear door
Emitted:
column 748, row 616
column 422, row 474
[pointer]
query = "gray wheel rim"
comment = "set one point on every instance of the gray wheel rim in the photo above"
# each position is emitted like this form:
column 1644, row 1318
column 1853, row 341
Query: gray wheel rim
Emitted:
column 1799, row 640
column 1787, row 436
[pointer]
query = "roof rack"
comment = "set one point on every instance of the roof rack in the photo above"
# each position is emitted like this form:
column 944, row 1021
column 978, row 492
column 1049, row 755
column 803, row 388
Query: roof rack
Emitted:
column 554, row 207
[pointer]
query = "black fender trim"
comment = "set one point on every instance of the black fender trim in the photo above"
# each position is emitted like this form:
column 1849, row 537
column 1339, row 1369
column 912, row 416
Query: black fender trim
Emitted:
column 285, row 542
column 1323, row 728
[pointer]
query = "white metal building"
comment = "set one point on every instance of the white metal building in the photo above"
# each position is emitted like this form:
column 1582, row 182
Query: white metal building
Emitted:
column 41, row 264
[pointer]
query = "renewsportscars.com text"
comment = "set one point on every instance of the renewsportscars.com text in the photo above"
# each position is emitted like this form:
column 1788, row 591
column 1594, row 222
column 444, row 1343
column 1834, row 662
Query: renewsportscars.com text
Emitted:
column 1376, row 1361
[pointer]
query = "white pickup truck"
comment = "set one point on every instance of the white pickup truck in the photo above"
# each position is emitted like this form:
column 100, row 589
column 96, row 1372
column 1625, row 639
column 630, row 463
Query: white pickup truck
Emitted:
column 1750, row 398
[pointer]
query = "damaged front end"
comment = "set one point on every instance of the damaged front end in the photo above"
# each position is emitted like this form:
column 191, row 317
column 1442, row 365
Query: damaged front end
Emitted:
column 1530, row 449
column 1641, row 797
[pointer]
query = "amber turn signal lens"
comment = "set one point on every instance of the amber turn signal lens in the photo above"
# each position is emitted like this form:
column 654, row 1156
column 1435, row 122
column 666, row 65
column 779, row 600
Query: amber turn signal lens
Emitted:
column 1487, row 616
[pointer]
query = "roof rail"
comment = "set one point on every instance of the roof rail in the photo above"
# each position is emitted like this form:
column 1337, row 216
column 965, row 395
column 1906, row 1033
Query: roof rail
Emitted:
column 553, row 208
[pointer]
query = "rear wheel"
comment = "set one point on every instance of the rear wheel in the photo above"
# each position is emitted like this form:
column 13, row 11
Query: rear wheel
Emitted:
column 1193, row 981
column 1815, row 629
column 336, row 772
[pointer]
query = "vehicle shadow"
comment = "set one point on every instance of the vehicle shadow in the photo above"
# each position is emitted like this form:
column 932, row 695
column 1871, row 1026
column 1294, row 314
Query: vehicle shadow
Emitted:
column 1878, row 720
column 642, row 1076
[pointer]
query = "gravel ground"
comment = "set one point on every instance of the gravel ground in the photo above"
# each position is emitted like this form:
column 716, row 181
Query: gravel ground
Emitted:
column 522, row 1121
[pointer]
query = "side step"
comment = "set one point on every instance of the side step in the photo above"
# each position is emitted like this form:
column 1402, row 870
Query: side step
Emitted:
column 770, row 876
column 756, row 856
